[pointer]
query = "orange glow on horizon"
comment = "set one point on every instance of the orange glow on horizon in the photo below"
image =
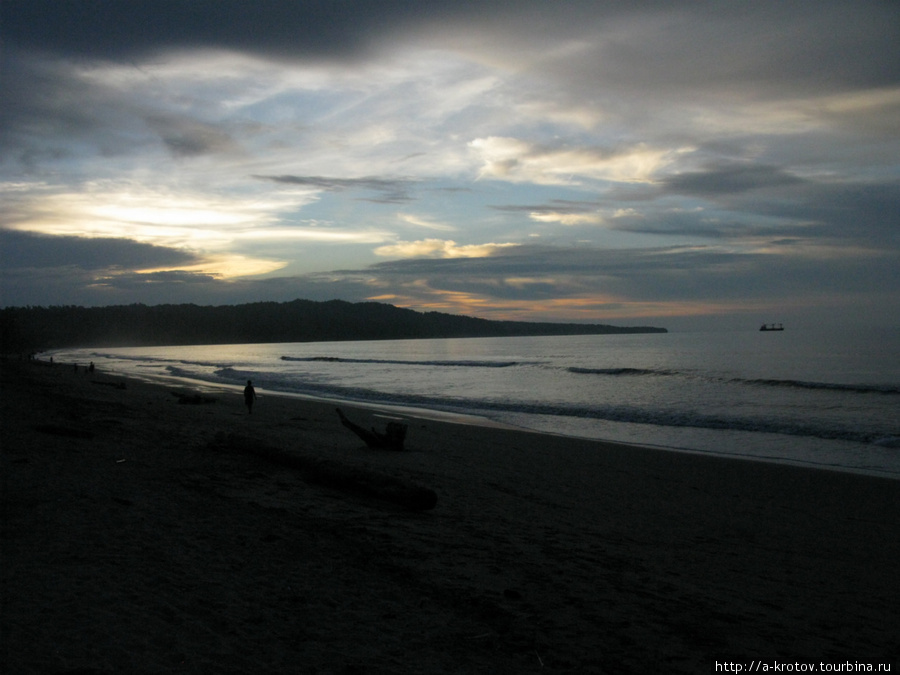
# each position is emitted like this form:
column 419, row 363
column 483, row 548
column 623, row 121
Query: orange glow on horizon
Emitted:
column 583, row 309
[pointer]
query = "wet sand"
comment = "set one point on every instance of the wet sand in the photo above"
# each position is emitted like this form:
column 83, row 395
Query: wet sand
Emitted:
column 143, row 535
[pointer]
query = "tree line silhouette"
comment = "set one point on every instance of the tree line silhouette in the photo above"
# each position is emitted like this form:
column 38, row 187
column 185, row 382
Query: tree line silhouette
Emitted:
column 37, row 328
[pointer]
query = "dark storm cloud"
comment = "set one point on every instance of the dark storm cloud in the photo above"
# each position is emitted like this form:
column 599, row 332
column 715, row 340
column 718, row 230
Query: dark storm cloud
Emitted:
column 866, row 212
column 729, row 179
column 24, row 250
column 699, row 225
column 40, row 269
column 122, row 30
column 835, row 213
column 392, row 190
column 119, row 30
column 746, row 50
column 667, row 44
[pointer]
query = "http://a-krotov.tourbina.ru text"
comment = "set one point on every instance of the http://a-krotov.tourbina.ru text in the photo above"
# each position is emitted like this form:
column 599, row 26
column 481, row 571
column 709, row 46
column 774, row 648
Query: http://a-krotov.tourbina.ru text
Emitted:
column 755, row 666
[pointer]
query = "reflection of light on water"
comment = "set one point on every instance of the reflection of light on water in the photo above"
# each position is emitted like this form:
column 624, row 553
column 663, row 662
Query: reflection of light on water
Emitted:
column 834, row 455
column 688, row 392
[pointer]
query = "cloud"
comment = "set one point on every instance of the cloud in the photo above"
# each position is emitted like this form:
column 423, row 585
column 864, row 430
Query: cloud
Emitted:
column 627, row 280
column 534, row 283
column 566, row 218
column 319, row 29
column 167, row 215
column 516, row 160
column 564, row 212
column 772, row 203
column 35, row 269
column 190, row 138
column 438, row 248
column 685, row 42
column 848, row 211
column 730, row 229
column 730, row 51
column 729, row 179
column 137, row 281
column 392, row 190
column 23, row 250
column 418, row 221
column 50, row 113
column 681, row 156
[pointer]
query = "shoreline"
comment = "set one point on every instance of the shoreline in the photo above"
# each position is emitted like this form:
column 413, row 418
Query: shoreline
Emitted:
column 135, row 542
column 485, row 421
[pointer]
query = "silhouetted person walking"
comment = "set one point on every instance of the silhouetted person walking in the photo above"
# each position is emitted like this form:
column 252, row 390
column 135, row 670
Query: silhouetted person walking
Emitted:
column 249, row 396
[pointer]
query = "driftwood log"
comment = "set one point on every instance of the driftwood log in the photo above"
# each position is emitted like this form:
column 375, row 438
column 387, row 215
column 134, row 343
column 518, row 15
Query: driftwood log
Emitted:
column 328, row 473
column 392, row 439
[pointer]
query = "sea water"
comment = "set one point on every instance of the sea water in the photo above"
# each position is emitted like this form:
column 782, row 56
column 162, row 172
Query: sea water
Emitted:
column 828, row 400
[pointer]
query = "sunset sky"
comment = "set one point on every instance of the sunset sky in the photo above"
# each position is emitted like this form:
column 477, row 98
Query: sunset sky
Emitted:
column 678, row 163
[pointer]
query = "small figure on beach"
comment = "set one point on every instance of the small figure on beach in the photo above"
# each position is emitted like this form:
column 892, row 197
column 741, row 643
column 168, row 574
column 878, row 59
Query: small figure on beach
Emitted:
column 392, row 439
column 91, row 368
column 249, row 396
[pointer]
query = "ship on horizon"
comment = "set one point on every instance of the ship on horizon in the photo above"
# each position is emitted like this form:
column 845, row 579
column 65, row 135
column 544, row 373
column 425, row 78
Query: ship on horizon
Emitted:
column 771, row 326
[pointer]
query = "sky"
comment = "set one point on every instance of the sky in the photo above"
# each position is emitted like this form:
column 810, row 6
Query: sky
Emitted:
column 687, row 164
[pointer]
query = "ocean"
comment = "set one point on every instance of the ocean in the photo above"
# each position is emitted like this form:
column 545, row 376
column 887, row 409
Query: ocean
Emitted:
column 829, row 400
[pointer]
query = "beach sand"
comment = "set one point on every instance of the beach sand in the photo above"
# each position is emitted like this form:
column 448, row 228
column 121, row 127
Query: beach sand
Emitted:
column 137, row 538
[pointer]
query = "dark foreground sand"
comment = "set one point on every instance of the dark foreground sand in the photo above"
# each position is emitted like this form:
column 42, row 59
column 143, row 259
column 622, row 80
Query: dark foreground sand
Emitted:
column 134, row 540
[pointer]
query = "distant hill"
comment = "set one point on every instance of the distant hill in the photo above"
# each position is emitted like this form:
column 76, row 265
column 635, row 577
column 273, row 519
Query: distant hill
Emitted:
column 296, row 321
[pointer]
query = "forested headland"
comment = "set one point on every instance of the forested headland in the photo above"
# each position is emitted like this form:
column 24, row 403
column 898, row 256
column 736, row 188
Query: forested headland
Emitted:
column 38, row 328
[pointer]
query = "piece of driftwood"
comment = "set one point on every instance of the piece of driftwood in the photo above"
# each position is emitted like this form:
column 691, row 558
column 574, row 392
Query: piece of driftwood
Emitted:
column 392, row 439
column 339, row 476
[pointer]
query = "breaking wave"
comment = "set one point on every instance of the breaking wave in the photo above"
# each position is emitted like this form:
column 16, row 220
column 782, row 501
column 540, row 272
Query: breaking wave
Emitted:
column 454, row 364
column 797, row 384
column 612, row 413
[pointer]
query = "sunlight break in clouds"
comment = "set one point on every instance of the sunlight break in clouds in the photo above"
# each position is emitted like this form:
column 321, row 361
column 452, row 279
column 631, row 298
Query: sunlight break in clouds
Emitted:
column 566, row 218
column 317, row 146
column 223, row 267
column 516, row 160
column 207, row 225
column 438, row 248
column 591, row 308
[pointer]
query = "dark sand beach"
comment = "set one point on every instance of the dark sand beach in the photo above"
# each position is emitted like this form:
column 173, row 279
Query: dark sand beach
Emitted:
column 143, row 535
